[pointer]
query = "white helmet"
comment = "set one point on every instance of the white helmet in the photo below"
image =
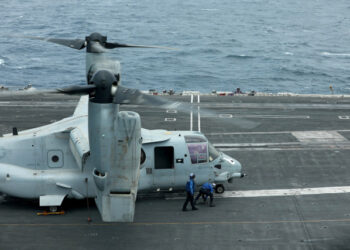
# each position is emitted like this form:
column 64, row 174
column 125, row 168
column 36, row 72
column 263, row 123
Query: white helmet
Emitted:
column 192, row 175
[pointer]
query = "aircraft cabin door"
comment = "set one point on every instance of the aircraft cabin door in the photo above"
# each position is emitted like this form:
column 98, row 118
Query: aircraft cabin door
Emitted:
column 164, row 171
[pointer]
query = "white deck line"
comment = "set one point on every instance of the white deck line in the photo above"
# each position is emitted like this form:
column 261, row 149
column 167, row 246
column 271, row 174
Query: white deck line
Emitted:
column 263, row 133
column 255, row 144
column 191, row 116
column 278, row 192
column 199, row 114
column 285, row 192
column 230, row 116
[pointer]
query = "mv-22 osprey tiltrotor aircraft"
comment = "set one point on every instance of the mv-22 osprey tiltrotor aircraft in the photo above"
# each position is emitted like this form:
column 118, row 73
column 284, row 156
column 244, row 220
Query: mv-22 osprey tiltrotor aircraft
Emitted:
column 103, row 152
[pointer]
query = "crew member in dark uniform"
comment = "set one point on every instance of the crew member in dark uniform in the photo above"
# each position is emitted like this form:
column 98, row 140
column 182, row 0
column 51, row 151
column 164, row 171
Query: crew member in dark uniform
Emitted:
column 190, row 187
column 206, row 190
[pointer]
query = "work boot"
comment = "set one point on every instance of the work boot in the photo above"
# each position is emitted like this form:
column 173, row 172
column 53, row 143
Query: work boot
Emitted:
column 184, row 209
column 194, row 208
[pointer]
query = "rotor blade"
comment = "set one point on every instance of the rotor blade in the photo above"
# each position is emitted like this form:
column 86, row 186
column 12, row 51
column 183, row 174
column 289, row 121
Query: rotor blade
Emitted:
column 77, row 89
column 72, row 43
column 120, row 45
column 70, row 90
column 14, row 93
column 125, row 95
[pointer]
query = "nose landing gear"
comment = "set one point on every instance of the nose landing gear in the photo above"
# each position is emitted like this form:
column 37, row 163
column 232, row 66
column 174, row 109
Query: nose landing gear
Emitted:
column 219, row 189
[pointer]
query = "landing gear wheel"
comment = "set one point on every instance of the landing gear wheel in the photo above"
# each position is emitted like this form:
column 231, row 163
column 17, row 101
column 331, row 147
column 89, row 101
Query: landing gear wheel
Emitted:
column 53, row 209
column 219, row 189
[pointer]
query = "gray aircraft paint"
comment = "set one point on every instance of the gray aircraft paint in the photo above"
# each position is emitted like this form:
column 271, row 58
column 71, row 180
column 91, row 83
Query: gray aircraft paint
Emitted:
column 96, row 153
column 26, row 169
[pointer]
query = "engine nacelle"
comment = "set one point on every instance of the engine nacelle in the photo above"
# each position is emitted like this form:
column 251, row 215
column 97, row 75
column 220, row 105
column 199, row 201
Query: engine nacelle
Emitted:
column 115, row 149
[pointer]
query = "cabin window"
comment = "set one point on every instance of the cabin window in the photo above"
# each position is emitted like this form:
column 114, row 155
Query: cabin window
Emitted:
column 198, row 152
column 163, row 157
column 142, row 157
column 55, row 158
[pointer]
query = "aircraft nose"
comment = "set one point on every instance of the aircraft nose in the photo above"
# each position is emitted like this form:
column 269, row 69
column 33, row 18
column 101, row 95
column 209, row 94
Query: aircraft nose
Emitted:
column 237, row 165
column 233, row 163
column 234, row 167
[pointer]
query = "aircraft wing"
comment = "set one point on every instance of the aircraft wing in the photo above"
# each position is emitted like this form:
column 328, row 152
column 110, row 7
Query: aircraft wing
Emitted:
column 78, row 119
column 82, row 108
column 155, row 135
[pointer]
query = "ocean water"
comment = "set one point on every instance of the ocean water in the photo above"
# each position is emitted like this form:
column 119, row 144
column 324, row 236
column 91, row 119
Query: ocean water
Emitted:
column 263, row 45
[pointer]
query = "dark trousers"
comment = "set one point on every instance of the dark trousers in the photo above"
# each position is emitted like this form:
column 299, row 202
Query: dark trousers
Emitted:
column 205, row 193
column 189, row 198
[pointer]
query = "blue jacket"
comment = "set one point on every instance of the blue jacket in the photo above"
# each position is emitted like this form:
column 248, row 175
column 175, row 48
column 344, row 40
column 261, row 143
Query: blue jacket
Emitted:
column 208, row 186
column 190, row 186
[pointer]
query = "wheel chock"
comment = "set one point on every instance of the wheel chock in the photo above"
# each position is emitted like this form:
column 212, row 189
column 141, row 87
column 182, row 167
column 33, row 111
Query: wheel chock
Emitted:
column 50, row 213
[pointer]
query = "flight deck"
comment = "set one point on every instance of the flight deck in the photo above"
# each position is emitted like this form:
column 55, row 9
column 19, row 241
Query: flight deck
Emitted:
column 295, row 151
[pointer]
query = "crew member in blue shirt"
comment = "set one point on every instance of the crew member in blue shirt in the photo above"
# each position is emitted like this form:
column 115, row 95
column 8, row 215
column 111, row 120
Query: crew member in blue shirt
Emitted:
column 190, row 188
column 206, row 190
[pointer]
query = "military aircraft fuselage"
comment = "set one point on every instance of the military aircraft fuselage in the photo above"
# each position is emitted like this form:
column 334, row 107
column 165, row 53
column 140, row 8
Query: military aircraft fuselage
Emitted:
column 103, row 152
column 168, row 161
column 53, row 162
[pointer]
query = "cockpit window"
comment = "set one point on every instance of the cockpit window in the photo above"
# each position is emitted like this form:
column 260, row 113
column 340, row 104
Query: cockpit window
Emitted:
column 198, row 152
column 193, row 138
column 213, row 153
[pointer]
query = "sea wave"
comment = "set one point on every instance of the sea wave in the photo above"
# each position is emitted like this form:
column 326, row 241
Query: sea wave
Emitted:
column 282, row 79
column 335, row 54
column 304, row 72
column 209, row 9
column 242, row 56
column 218, row 42
column 210, row 51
